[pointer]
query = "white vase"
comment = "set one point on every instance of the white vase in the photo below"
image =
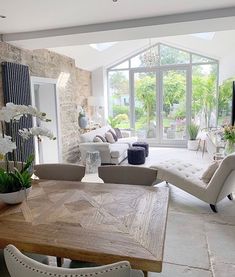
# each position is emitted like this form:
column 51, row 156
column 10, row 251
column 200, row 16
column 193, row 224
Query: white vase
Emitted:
column 15, row 197
column 193, row 145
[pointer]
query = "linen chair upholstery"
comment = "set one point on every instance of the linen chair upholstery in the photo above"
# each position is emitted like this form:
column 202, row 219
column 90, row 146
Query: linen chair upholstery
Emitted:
column 132, row 175
column 20, row 265
column 188, row 178
column 67, row 172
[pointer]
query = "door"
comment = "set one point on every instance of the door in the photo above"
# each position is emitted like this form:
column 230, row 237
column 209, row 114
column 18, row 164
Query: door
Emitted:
column 174, row 99
column 144, row 105
column 45, row 99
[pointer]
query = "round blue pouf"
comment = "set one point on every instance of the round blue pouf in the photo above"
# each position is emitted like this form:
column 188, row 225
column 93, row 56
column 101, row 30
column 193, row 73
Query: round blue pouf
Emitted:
column 136, row 155
column 142, row 144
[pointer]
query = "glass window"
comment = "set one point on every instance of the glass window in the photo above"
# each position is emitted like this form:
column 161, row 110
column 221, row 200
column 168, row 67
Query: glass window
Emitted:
column 145, row 58
column 171, row 55
column 119, row 111
column 200, row 59
column 204, row 92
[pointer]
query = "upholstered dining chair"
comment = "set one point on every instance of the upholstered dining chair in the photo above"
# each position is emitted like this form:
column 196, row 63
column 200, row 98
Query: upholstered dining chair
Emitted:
column 67, row 172
column 188, row 177
column 20, row 265
column 132, row 175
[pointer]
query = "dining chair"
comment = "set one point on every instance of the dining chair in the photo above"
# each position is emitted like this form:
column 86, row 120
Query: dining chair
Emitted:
column 37, row 257
column 20, row 265
column 67, row 172
column 11, row 165
column 132, row 175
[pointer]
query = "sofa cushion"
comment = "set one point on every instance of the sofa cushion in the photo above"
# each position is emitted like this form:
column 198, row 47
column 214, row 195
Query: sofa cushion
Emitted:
column 89, row 136
column 208, row 174
column 116, row 150
column 113, row 134
column 118, row 133
column 128, row 140
column 97, row 139
column 109, row 137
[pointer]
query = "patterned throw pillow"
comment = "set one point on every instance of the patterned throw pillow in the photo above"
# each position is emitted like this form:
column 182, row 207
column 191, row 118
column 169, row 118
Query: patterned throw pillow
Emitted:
column 118, row 132
column 113, row 134
column 109, row 137
column 97, row 139
column 102, row 138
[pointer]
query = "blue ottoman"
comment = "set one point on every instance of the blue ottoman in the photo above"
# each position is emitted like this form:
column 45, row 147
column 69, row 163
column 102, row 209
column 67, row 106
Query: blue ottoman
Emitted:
column 136, row 155
column 142, row 144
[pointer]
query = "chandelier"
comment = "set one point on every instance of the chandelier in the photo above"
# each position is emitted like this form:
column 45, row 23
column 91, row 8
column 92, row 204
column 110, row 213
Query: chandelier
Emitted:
column 150, row 58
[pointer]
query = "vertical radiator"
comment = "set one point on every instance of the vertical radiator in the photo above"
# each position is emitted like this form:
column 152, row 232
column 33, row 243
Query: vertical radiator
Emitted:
column 16, row 89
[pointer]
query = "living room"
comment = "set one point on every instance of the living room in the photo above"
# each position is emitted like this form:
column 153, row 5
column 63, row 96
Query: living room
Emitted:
column 153, row 74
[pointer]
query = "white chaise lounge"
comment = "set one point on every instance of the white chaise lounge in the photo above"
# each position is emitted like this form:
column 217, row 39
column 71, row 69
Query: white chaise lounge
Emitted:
column 187, row 177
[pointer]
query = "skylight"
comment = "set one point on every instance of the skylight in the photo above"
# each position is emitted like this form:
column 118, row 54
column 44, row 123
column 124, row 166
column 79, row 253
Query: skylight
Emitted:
column 102, row 46
column 206, row 36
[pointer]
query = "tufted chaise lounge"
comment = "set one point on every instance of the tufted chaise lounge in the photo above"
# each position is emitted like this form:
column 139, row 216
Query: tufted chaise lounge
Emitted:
column 187, row 177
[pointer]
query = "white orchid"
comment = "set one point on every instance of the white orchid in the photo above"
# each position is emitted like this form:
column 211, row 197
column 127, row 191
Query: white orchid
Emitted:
column 15, row 112
column 36, row 131
column 6, row 145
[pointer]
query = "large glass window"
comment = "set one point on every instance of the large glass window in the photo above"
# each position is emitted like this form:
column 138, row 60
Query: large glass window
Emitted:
column 119, row 99
column 158, row 101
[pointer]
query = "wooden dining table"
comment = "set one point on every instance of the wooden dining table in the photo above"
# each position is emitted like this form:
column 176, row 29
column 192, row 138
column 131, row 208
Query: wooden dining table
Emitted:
column 94, row 222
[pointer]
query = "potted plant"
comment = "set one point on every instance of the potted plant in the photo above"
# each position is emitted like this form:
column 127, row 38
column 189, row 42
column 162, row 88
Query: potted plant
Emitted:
column 15, row 176
column 193, row 130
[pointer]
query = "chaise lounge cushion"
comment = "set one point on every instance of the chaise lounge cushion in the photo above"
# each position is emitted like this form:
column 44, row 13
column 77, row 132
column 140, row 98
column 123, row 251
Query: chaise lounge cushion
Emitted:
column 183, row 174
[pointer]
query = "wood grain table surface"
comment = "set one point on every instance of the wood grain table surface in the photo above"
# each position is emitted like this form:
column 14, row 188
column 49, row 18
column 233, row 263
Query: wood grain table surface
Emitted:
column 101, row 223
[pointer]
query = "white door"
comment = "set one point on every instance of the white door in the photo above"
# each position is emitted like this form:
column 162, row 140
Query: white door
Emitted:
column 45, row 99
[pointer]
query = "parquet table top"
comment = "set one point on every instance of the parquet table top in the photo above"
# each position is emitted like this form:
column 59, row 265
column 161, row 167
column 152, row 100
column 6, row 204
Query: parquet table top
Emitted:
column 101, row 223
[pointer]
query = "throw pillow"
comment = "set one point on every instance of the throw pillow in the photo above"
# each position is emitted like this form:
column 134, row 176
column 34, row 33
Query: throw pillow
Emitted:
column 109, row 137
column 97, row 139
column 113, row 134
column 208, row 174
column 101, row 137
column 118, row 132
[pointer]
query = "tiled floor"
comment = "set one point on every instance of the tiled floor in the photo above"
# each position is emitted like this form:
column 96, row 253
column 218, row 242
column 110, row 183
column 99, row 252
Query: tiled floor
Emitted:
column 198, row 242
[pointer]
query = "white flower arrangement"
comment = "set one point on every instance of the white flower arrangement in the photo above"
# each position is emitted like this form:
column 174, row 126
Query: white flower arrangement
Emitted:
column 36, row 131
column 11, row 181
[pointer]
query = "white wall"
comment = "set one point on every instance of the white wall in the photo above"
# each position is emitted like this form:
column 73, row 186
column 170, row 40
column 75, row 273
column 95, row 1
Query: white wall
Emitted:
column 227, row 67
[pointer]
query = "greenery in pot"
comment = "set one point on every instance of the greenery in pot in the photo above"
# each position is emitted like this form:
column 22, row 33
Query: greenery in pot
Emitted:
column 193, row 130
column 18, row 177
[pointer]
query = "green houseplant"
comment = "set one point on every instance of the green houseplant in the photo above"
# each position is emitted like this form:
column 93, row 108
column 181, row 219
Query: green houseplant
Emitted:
column 15, row 176
column 192, row 130
column 229, row 136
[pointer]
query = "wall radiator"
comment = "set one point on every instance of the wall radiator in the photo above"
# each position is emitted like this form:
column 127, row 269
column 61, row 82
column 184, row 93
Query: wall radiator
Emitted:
column 16, row 89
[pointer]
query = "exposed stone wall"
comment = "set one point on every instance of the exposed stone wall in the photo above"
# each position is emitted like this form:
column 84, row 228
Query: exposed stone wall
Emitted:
column 73, row 88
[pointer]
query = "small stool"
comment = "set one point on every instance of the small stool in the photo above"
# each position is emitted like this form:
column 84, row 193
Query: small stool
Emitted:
column 142, row 144
column 136, row 155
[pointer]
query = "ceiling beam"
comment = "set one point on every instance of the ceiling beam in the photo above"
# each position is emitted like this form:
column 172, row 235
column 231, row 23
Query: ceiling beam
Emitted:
column 121, row 25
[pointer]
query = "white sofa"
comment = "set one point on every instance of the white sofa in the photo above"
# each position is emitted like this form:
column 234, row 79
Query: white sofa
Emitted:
column 110, row 153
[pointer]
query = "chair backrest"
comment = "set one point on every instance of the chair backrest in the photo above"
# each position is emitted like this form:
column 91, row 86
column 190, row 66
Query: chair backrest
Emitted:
column 67, row 172
column 20, row 265
column 222, row 182
column 132, row 175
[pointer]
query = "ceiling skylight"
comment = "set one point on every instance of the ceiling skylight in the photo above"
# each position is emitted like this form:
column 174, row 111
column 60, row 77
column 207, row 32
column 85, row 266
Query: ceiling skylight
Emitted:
column 102, row 46
column 206, row 36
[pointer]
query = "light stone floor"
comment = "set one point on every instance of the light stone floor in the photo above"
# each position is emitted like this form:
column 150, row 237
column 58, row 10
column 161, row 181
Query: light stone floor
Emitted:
column 198, row 242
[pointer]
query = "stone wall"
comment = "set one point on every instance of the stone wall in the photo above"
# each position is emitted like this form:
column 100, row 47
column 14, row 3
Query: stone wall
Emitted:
column 73, row 89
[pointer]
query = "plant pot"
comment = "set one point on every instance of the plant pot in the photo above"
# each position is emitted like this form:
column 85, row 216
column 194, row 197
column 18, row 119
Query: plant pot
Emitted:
column 15, row 197
column 193, row 145
column 82, row 122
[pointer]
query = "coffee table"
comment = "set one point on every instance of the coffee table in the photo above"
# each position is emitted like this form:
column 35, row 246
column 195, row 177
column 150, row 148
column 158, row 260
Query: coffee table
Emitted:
column 101, row 223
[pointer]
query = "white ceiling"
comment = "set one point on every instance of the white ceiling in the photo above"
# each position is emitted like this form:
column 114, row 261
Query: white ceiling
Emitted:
column 88, row 58
column 32, row 15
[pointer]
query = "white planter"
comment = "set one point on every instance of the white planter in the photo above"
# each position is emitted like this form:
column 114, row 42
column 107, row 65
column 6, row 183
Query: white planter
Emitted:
column 193, row 145
column 15, row 197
